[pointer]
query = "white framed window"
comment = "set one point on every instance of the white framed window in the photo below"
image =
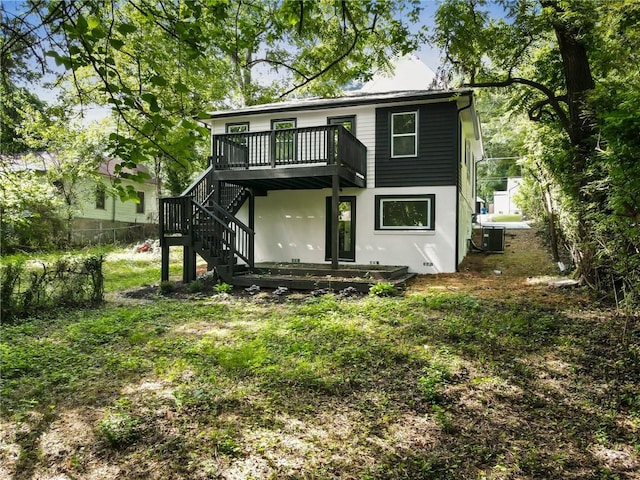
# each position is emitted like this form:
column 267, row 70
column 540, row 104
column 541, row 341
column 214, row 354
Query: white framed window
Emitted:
column 285, row 140
column 404, row 134
column 237, row 127
column 405, row 212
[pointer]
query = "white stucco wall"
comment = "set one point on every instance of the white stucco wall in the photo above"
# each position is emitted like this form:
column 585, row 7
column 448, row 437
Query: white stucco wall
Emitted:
column 290, row 224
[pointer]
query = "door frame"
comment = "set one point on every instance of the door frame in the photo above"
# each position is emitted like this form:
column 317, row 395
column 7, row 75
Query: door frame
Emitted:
column 351, row 255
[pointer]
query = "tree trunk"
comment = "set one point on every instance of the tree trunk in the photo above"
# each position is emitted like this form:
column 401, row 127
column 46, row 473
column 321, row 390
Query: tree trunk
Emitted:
column 581, row 126
column 551, row 216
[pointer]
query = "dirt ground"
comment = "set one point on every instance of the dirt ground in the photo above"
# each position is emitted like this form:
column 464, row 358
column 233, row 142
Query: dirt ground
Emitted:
column 525, row 269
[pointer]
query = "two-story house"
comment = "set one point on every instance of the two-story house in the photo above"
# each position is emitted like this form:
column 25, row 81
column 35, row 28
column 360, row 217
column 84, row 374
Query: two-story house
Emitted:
column 369, row 178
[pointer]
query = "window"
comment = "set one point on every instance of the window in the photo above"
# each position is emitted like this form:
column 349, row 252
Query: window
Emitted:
column 238, row 128
column 100, row 198
column 347, row 122
column 285, row 142
column 404, row 134
column 405, row 212
column 140, row 205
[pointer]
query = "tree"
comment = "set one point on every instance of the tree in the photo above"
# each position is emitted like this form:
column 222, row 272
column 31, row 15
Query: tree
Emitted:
column 570, row 74
column 542, row 51
column 29, row 212
column 75, row 151
column 159, row 64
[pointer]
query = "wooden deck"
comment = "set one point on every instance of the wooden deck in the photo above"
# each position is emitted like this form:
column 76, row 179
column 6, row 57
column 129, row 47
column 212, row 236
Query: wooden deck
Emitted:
column 313, row 276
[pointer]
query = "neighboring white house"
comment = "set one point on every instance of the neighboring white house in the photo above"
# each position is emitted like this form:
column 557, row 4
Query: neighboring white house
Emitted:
column 387, row 177
column 504, row 201
column 98, row 213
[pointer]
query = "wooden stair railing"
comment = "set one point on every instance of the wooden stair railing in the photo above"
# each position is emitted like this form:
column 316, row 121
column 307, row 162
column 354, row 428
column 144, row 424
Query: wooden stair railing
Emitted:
column 221, row 239
column 211, row 229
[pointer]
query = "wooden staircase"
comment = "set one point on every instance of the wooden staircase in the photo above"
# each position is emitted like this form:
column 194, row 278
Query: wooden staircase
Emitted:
column 202, row 220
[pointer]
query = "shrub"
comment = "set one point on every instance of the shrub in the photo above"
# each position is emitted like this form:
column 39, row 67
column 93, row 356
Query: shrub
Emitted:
column 68, row 281
column 167, row 286
column 223, row 288
column 383, row 289
column 195, row 286
column 118, row 429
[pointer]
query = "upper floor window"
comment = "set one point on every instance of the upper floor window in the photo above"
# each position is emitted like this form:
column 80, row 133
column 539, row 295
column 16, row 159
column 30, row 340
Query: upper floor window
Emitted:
column 404, row 134
column 140, row 204
column 237, row 127
column 100, row 197
column 285, row 142
column 347, row 122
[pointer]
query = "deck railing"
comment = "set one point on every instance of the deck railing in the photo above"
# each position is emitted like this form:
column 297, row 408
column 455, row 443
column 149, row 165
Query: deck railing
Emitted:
column 213, row 226
column 328, row 144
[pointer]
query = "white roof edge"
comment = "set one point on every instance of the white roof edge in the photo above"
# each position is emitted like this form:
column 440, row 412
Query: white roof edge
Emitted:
column 356, row 97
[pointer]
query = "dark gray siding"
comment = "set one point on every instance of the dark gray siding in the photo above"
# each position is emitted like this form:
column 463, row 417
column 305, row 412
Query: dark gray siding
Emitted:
column 437, row 148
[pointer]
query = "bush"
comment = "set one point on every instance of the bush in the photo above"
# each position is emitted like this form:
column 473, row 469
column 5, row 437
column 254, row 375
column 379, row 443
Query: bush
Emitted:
column 31, row 214
column 118, row 429
column 167, row 286
column 223, row 288
column 383, row 289
column 196, row 286
column 68, row 281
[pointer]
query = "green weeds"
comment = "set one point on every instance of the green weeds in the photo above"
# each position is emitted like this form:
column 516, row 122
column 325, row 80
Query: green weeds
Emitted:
column 427, row 386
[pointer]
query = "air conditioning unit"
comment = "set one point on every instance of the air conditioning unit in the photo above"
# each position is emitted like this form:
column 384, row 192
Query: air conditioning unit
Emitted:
column 493, row 239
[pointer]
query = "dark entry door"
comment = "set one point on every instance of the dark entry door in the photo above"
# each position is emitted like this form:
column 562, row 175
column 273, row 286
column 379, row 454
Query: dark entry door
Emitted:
column 346, row 229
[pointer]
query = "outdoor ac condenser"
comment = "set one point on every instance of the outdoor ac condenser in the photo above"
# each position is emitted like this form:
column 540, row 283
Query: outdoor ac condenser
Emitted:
column 493, row 239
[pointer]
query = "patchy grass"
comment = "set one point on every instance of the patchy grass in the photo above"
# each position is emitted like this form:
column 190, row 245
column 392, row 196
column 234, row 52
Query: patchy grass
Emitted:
column 506, row 217
column 450, row 381
column 123, row 268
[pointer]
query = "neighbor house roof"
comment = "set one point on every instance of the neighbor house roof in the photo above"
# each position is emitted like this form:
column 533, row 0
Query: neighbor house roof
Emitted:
column 44, row 161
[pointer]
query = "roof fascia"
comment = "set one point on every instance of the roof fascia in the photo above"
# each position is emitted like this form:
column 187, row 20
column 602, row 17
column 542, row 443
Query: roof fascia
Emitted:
column 341, row 102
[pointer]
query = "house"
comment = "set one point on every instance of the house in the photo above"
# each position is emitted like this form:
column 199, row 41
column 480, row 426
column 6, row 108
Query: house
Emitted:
column 504, row 200
column 369, row 178
column 98, row 213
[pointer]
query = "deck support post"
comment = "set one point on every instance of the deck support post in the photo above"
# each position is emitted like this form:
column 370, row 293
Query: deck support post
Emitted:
column 335, row 200
column 188, row 264
column 252, row 226
column 164, row 264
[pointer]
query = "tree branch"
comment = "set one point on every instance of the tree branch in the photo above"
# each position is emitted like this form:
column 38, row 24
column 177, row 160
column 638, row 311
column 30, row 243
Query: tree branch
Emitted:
column 552, row 99
column 337, row 60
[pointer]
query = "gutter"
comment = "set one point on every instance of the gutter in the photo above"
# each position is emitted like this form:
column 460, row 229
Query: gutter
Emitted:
column 458, row 161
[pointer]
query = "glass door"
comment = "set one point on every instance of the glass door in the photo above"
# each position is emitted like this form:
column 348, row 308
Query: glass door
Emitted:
column 346, row 229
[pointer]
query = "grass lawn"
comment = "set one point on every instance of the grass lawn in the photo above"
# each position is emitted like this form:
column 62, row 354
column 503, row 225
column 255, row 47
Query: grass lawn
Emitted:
column 504, row 217
column 490, row 378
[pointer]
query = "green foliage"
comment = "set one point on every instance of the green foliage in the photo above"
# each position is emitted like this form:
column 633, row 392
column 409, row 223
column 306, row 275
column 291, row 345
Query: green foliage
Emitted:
column 14, row 101
column 160, row 65
column 432, row 381
column 31, row 213
column 223, row 288
column 556, row 64
column 428, row 377
column 68, row 281
column 167, row 286
column 195, row 286
column 383, row 289
column 118, row 428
